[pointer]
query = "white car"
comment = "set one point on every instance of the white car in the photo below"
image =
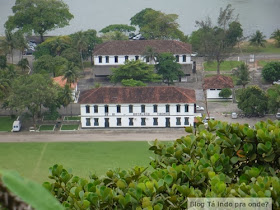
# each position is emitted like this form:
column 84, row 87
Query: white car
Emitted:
column 199, row 108
column 234, row 115
column 276, row 82
column 277, row 116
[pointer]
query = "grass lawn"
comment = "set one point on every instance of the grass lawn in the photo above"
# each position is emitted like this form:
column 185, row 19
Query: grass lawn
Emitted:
column 33, row 160
column 69, row 127
column 225, row 66
column 6, row 123
column 72, row 118
column 264, row 62
column 269, row 48
column 46, row 127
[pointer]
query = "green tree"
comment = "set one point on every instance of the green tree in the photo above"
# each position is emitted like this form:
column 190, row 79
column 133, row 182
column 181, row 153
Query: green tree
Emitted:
column 136, row 70
column 118, row 27
column 258, row 39
column 51, row 65
column 253, row 101
column 113, row 35
column 168, row 68
column 71, row 73
column 132, row 83
column 72, row 55
column 38, row 16
column 217, row 42
column 93, row 40
column 243, row 75
column 8, row 44
column 271, row 71
column 225, row 93
column 273, row 98
column 3, row 61
column 65, row 96
column 276, row 35
column 157, row 25
column 32, row 92
column 150, row 54
column 23, row 64
column 20, row 42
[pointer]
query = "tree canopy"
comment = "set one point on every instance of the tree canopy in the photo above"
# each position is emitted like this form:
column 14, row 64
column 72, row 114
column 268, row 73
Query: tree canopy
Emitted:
column 271, row 71
column 258, row 39
column 243, row 75
column 118, row 27
column 38, row 16
column 168, row 68
column 136, row 70
column 276, row 35
column 217, row 42
column 157, row 25
column 225, row 93
column 253, row 101
column 274, row 98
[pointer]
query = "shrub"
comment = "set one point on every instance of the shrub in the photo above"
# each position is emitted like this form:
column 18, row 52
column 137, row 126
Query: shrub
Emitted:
column 225, row 93
column 132, row 82
column 222, row 160
column 271, row 71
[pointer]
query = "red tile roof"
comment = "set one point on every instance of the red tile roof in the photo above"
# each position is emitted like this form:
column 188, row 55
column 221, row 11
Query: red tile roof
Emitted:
column 62, row 82
column 138, row 47
column 122, row 95
column 217, row 82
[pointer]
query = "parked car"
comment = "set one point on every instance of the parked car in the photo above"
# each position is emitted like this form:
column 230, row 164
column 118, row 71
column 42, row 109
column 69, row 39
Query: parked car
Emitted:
column 199, row 108
column 16, row 126
column 138, row 37
column 276, row 82
column 278, row 116
column 234, row 115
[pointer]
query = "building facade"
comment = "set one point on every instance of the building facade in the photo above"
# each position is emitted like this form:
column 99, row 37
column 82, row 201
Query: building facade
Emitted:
column 114, row 53
column 137, row 107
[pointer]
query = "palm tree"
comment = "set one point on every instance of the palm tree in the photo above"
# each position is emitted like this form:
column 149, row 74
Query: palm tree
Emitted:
column 150, row 54
column 258, row 39
column 276, row 35
column 23, row 63
column 8, row 44
column 71, row 73
column 81, row 42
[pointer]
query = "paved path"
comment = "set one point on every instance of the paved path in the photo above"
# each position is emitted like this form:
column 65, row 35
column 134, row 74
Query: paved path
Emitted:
column 95, row 135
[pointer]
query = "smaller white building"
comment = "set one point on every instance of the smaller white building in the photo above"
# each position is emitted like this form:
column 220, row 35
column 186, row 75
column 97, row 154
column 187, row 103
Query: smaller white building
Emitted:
column 213, row 86
column 137, row 107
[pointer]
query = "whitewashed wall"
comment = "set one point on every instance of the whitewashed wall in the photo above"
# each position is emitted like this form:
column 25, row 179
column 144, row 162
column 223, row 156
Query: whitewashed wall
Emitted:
column 214, row 94
column 149, row 114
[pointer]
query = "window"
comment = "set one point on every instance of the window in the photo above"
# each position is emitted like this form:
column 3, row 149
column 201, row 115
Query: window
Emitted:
column 107, row 59
column 178, row 120
column 106, row 108
column 131, row 121
column 178, row 107
column 130, row 107
column 167, row 107
column 136, row 57
column 147, row 59
column 126, row 58
column 219, row 89
column 142, row 108
column 96, row 122
column 116, row 59
column 95, row 109
column 88, row 122
column 155, row 121
column 100, row 59
column 118, row 108
column 177, row 58
column 186, row 120
column 143, row 121
column 212, row 89
column 87, row 109
column 155, row 108
column 186, row 108
column 119, row 121
column 184, row 58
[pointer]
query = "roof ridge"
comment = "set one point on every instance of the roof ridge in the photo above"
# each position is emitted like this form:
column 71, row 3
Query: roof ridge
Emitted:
column 181, row 44
column 179, row 89
column 91, row 91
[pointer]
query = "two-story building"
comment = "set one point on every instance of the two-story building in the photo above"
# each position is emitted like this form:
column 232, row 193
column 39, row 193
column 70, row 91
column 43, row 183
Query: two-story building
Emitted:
column 111, row 54
column 137, row 107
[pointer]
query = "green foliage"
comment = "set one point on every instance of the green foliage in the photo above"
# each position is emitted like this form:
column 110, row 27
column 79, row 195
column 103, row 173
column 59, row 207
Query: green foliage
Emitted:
column 225, row 93
column 69, row 127
column 271, row 71
column 113, row 35
column 38, row 16
column 157, row 25
column 243, row 75
column 136, row 70
column 217, row 42
column 168, row 68
column 276, row 35
column 258, row 39
column 3, row 61
column 221, row 160
column 253, row 101
column 273, row 98
column 132, row 83
column 118, row 27
column 23, row 64
column 29, row 191
column 6, row 123
column 225, row 65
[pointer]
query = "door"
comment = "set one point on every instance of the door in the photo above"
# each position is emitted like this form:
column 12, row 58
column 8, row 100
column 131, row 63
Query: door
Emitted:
column 107, row 125
column 167, row 122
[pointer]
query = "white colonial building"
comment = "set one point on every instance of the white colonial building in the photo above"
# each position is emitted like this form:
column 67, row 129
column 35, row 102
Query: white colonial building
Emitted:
column 137, row 107
column 213, row 86
column 114, row 53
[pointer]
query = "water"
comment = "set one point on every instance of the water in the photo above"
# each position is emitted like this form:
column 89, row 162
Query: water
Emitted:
column 254, row 15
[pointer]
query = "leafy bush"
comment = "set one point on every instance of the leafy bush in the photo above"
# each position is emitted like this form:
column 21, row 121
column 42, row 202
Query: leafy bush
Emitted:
column 271, row 71
column 225, row 93
column 132, row 82
column 221, row 160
